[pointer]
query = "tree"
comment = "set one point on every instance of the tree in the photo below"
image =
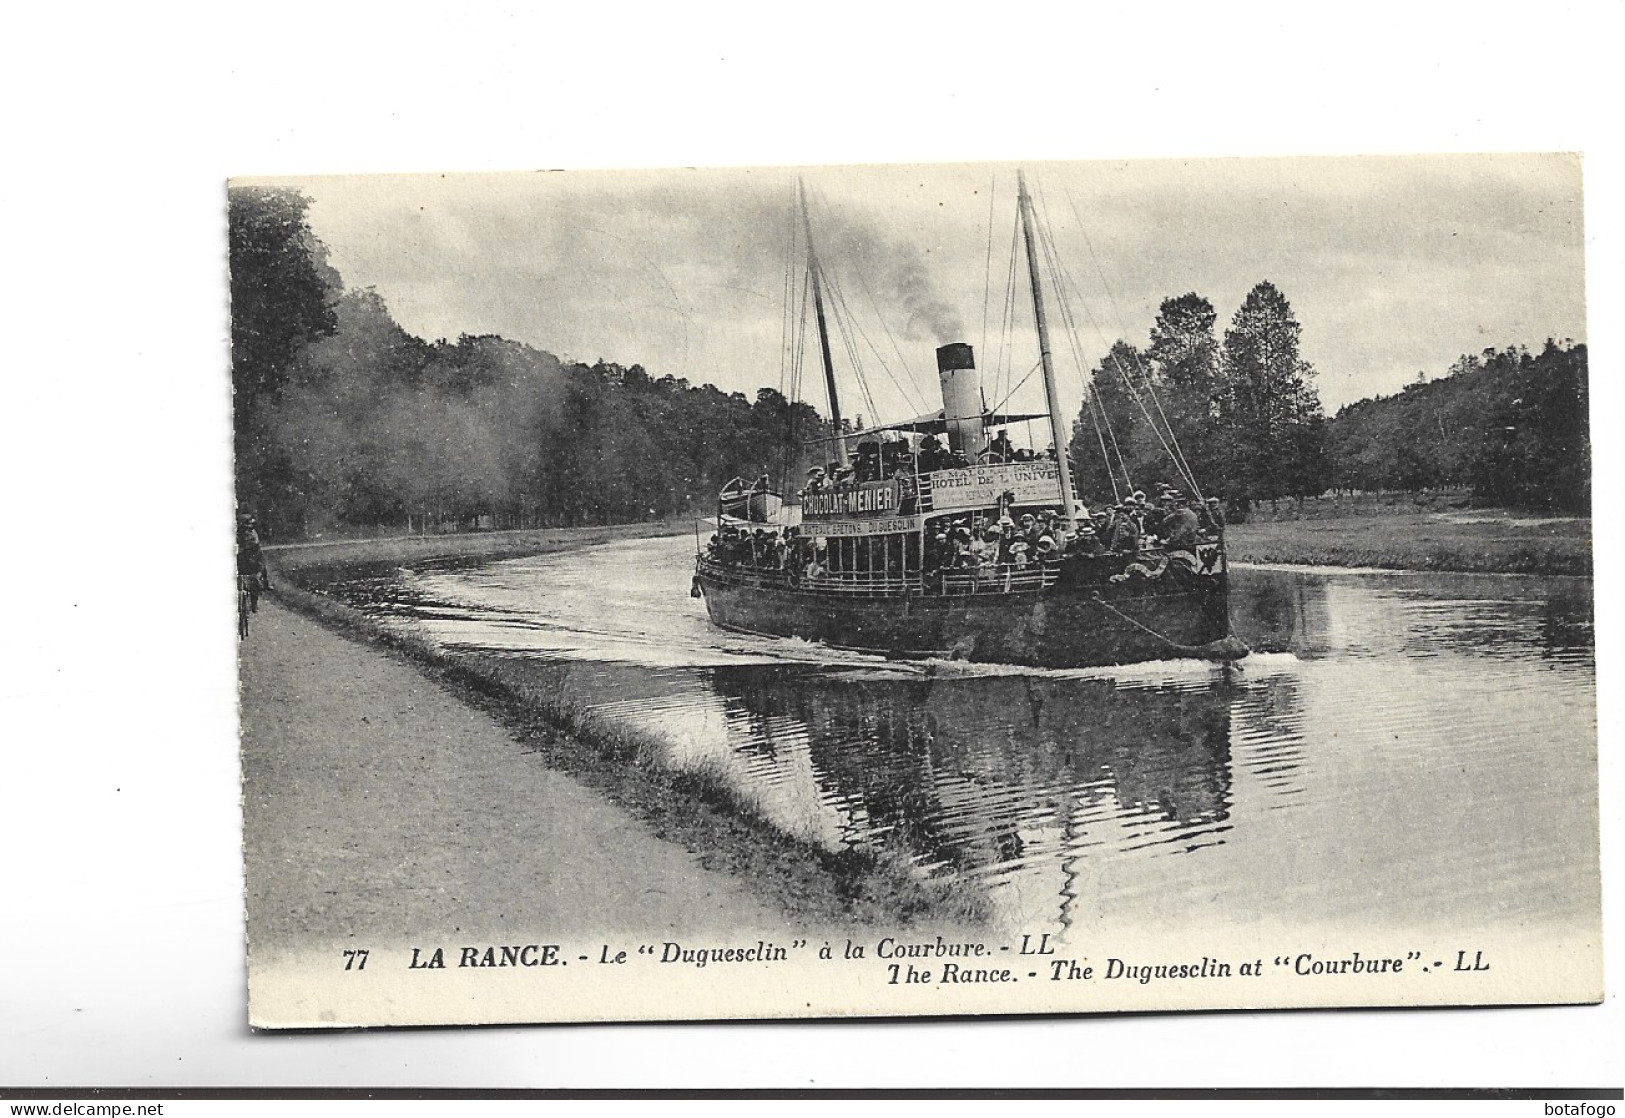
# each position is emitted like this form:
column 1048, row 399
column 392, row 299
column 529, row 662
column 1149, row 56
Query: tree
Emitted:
column 282, row 294
column 1184, row 356
column 1112, row 448
column 1536, row 446
column 1269, row 410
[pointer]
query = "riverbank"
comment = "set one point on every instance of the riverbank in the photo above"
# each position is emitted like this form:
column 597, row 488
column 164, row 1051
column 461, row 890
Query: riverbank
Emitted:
column 694, row 808
column 1470, row 541
column 485, row 547
column 378, row 806
column 1390, row 534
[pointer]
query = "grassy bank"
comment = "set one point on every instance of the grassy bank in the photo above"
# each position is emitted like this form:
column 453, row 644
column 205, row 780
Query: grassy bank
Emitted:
column 695, row 807
column 1402, row 537
column 481, row 546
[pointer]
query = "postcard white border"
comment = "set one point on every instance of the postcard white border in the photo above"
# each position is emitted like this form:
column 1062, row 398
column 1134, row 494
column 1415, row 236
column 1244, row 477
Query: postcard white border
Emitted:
column 125, row 965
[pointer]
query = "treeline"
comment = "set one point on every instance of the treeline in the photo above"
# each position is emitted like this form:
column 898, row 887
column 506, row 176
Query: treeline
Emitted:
column 1244, row 415
column 344, row 418
column 1510, row 425
column 1240, row 417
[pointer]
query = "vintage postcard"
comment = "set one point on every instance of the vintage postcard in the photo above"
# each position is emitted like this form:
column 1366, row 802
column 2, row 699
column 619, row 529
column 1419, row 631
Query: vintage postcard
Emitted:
column 915, row 590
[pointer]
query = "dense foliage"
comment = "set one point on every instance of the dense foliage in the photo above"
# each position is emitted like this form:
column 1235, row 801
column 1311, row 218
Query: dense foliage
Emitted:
column 1243, row 416
column 344, row 418
column 1509, row 424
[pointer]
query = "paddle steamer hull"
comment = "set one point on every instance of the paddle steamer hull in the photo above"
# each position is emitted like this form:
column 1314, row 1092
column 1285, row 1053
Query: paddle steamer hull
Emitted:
column 1074, row 623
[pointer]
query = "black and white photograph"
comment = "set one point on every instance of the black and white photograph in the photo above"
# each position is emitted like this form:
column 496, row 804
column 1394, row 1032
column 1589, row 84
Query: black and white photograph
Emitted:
column 900, row 590
column 945, row 554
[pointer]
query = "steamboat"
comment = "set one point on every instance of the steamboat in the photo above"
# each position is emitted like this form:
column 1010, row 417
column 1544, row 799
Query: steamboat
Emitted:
column 936, row 538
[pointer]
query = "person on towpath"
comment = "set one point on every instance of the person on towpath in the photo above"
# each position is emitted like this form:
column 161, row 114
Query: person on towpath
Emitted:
column 251, row 569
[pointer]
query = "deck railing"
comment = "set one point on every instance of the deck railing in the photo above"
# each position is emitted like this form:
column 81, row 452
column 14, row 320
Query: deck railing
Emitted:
column 877, row 584
column 998, row 580
column 856, row 583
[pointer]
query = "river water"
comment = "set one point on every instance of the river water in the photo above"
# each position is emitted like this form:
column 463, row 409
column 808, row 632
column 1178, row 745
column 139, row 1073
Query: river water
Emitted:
column 1401, row 745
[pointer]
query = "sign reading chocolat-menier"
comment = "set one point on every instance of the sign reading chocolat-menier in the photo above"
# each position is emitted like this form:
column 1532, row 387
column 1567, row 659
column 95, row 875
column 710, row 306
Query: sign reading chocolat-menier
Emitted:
column 870, row 498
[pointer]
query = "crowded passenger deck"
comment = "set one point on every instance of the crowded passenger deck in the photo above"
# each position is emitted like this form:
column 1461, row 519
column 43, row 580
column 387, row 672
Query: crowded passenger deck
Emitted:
column 910, row 544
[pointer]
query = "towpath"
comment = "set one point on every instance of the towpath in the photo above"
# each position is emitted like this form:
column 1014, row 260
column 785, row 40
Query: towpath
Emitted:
column 379, row 806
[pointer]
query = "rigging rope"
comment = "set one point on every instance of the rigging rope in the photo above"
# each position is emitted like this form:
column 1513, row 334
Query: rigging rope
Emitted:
column 844, row 326
column 1038, row 365
column 987, row 266
column 902, row 389
column 1069, row 322
column 1177, row 451
column 1060, row 269
column 1003, row 368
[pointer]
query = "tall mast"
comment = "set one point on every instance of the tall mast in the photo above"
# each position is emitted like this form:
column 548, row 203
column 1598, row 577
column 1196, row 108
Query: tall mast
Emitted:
column 1068, row 506
column 823, row 334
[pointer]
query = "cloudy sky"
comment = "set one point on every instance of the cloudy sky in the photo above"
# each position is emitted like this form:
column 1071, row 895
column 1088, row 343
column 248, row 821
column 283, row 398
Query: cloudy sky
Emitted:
column 1392, row 265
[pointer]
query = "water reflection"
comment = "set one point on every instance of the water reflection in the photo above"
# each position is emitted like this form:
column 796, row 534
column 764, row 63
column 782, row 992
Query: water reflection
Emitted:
column 985, row 777
column 1316, row 614
column 1403, row 745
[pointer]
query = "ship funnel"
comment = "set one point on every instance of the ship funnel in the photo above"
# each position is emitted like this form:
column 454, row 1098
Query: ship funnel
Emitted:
column 962, row 399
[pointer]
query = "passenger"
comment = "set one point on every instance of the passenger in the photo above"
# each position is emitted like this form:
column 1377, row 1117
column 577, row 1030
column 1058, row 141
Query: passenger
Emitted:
column 1087, row 540
column 984, row 550
column 1179, row 528
column 1162, row 513
column 996, row 542
column 1018, row 555
column 1047, row 553
column 818, row 565
column 930, row 456
column 1125, row 531
column 1214, row 514
column 868, row 462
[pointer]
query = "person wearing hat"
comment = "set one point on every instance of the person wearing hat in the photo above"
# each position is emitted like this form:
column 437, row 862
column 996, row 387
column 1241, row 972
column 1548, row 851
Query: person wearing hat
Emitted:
column 1125, row 532
column 1213, row 516
column 251, row 569
column 1105, row 520
column 816, row 567
column 1179, row 528
column 929, row 456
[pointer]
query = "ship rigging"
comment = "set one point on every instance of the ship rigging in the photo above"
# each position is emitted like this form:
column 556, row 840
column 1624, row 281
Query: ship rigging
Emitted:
column 939, row 537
